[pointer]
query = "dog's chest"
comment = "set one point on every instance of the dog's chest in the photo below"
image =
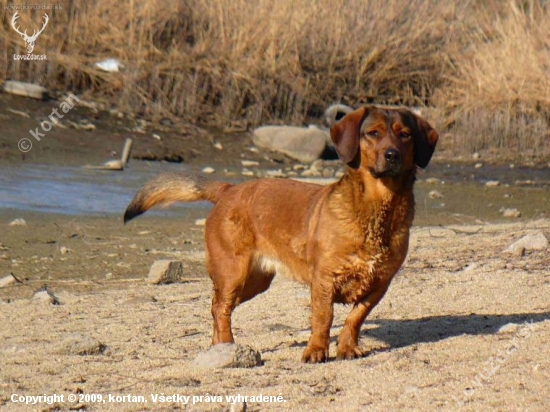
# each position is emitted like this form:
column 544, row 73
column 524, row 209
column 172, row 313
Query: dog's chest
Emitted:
column 369, row 268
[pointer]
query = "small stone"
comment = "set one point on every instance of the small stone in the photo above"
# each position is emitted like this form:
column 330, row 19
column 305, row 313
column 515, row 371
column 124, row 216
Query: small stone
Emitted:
column 7, row 281
column 200, row 222
column 327, row 172
column 208, row 170
column 434, row 194
column 246, row 172
column 165, row 271
column 18, row 222
column 238, row 406
column 64, row 250
column 228, row 355
column 156, row 136
column 218, row 146
column 249, row 163
column 510, row 212
column 508, row 328
column 45, row 296
column 275, row 173
column 79, row 344
column 311, row 173
column 492, row 183
column 478, row 165
column 432, row 180
column 532, row 241
column 476, row 156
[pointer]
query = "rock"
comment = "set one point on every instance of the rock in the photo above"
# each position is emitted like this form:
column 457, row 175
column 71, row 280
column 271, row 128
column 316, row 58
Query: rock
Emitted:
column 275, row 173
column 432, row 180
column 434, row 194
column 218, row 146
column 208, row 170
column 335, row 112
column 8, row 281
column 64, row 250
column 200, row 222
column 79, row 344
column 246, row 172
column 327, row 172
column 508, row 328
column 18, row 222
column 302, row 144
column 45, row 296
column 165, row 271
column 476, row 156
column 249, row 163
column 533, row 241
column 18, row 88
column 238, row 406
column 492, row 183
column 478, row 165
column 228, row 355
column 510, row 212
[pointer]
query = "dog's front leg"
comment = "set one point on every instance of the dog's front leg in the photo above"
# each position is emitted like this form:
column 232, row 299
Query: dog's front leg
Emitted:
column 322, row 301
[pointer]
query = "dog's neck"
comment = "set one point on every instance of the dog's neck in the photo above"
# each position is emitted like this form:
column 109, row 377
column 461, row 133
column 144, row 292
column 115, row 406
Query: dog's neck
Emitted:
column 380, row 206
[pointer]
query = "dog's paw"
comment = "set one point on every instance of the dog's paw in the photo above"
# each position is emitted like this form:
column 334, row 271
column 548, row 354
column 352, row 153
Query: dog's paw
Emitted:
column 350, row 352
column 315, row 355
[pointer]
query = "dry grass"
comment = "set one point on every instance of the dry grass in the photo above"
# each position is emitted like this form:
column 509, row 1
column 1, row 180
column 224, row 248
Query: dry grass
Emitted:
column 482, row 63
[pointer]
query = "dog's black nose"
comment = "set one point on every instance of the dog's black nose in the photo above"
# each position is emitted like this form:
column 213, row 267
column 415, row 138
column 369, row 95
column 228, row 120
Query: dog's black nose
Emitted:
column 392, row 155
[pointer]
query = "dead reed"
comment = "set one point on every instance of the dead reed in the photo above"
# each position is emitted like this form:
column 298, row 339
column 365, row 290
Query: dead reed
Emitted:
column 483, row 64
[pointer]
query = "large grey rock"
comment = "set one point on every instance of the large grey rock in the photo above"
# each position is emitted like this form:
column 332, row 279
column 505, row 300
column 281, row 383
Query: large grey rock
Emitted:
column 300, row 143
column 228, row 355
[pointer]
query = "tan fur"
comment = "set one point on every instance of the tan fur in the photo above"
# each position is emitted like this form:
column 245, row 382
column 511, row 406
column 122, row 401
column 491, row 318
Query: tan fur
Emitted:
column 346, row 240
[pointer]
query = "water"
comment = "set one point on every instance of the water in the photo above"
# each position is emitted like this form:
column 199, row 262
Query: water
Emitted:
column 75, row 190
column 79, row 191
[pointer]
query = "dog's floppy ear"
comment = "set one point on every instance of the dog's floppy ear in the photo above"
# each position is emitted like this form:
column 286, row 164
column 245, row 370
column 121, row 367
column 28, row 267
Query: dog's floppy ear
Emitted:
column 425, row 140
column 345, row 135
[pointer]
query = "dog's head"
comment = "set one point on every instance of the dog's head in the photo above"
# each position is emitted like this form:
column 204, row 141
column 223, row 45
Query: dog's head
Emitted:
column 387, row 142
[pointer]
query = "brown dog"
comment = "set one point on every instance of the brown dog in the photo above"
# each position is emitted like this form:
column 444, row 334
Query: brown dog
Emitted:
column 346, row 240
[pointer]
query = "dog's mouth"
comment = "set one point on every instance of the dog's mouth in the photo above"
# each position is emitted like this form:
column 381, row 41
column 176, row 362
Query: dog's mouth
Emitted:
column 392, row 171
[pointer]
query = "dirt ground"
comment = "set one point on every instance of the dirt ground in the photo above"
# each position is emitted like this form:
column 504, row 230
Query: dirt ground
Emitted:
column 464, row 325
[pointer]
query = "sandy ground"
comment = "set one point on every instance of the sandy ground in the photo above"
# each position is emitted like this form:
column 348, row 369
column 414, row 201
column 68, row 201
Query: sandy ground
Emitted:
column 434, row 338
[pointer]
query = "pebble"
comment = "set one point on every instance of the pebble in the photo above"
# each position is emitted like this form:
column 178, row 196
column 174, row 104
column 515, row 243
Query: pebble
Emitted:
column 165, row 271
column 238, row 406
column 228, row 355
column 476, row 155
column 249, row 163
column 218, row 146
column 478, row 165
column 156, row 136
column 434, row 194
column 432, row 180
column 492, row 183
column 64, row 250
column 200, row 222
column 208, row 170
column 7, row 281
column 275, row 173
column 246, row 172
column 510, row 212
column 18, row 222
column 44, row 296
column 80, row 344
column 508, row 328
column 327, row 172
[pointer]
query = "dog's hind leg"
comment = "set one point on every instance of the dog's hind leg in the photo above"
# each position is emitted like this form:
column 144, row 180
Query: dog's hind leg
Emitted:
column 229, row 276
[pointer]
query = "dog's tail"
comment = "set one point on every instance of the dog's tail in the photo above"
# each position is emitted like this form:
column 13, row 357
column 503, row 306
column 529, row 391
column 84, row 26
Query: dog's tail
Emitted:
column 174, row 187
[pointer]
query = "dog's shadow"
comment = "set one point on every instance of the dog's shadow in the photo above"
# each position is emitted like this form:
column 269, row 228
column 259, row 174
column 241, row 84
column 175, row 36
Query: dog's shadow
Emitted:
column 402, row 333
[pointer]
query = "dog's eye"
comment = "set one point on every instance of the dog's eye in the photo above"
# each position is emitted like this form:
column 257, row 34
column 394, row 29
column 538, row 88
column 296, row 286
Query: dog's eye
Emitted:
column 372, row 133
column 404, row 135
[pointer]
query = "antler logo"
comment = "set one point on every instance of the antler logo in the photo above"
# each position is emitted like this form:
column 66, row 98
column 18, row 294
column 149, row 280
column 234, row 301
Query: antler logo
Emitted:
column 29, row 40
